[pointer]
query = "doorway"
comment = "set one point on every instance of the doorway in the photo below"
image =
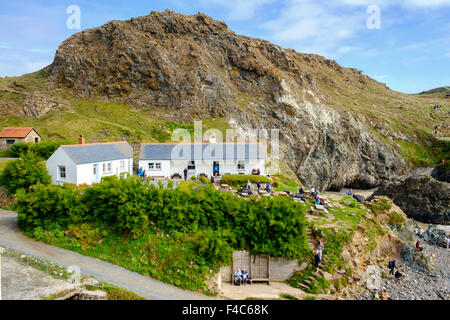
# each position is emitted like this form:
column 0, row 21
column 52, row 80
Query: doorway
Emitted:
column 216, row 169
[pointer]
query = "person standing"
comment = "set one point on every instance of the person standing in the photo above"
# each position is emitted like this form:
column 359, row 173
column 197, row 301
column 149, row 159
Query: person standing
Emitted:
column 317, row 259
column 392, row 267
column 268, row 187
column 140, row 172
column 144, row 176
column 258, row 185
column 312, row 191
column 447, row 241
column 319, row 248
column 185, row 173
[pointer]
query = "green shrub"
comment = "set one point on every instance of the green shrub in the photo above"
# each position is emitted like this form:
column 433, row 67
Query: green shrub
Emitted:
column 43, row 149
column 221, row 221
column 23, row 173
column 238, row 179
column 396, row 218
column 49, row 207
column 19, row 148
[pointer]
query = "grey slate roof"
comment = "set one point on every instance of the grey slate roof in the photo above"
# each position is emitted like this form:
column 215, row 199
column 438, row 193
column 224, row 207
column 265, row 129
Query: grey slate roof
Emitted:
column 99, row 152
column 214, row 151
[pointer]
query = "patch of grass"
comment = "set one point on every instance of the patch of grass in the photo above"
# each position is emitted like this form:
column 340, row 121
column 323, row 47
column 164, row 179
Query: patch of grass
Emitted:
column 309, row 298
column 287, row 296
column 116, row 293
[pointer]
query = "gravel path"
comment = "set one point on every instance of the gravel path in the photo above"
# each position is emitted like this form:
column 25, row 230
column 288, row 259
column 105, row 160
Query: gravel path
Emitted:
column 11, row 237
column 418, row 285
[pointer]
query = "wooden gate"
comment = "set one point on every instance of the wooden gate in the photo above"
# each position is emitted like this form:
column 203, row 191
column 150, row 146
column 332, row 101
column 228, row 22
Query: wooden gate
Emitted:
column 258, row 266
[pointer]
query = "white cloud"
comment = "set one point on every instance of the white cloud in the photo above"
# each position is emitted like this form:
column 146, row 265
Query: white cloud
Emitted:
column 313, row 26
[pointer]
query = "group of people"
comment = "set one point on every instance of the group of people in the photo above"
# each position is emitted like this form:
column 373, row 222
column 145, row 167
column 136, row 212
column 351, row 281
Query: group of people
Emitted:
column 256, row 172
column 248, row 188
column 242, row 277
column 142, row 174
column 392, row 265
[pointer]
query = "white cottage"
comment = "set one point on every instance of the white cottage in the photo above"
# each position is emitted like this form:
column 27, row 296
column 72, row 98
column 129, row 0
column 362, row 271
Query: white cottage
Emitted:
column 166, row 160
column 89, row 163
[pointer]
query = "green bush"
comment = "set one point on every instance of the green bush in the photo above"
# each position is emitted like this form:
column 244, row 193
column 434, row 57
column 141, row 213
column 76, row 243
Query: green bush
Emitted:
column 222, row 221
column 43, row 149
column 238, row 179
column 23, row 173
column 19, row 148
column 49, row 207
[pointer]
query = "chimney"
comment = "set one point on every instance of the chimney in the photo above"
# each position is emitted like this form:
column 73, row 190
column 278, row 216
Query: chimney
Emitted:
column 81, row 140
column 212, row 138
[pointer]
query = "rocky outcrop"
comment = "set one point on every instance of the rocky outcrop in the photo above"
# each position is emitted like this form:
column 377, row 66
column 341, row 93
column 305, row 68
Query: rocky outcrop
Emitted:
column 435, row 236
column 442, row 172
column 37, row 105
column 195, row 68
column 420, row 197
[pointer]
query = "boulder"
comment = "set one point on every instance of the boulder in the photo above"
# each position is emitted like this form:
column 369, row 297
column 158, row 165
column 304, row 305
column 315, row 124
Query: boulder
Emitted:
column 420, row 196
column 434, row 236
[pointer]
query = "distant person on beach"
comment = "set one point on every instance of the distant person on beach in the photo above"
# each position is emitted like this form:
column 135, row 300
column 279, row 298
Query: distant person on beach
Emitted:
column 447, row 241
column 391, row 267
column 419, row 246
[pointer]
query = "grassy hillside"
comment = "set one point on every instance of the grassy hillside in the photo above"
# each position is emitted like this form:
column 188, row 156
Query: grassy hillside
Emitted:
column 442, row 92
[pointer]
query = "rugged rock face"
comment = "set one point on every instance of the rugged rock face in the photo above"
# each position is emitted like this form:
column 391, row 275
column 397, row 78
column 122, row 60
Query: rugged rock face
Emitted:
column 420, row 197
column 197, row 68
column 441, row 172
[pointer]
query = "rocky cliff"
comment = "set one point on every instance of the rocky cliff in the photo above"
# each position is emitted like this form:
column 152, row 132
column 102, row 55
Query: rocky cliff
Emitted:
column 420, row 197
column 196, row 68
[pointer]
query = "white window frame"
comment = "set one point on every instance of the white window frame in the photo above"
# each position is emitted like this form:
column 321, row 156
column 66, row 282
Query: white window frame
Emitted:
column 107, row 167
column 154, row 166
column 60, row 177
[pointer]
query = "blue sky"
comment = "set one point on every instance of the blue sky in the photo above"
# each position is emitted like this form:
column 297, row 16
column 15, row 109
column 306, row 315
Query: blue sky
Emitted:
column 410, row 52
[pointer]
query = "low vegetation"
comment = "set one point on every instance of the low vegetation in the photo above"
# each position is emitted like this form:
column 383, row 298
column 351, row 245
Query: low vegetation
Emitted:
column 178, row 235
column 242, row 179
column 43, row 149
column 23, row 173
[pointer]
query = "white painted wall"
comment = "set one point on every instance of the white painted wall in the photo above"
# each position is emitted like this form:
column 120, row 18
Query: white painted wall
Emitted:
column 60, row 158
column 165, row 168
column 83, row 173
column 169, row 168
